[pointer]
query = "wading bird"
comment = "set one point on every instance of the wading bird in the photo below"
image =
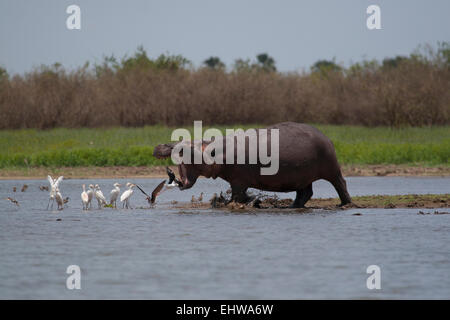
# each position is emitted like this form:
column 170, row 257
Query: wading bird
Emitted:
column 85, row 198
column 14, row 201
column 114, row 194
column 59, row 199
column 54, row 186
column 151, row 199
column 200, row 198
column 218, row 201
column 90, row 194
column 101, row 200
column 125, row 197
column 213, row 200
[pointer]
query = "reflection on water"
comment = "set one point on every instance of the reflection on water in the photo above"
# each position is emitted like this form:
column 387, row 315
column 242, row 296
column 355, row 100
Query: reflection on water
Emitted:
column 165, row 253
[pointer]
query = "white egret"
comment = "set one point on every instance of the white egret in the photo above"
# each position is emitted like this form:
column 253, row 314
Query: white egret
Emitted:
column 101, row 200
column 85, row 198
column 90, row 194
column 125, row 197
column 54, row 185
column 114, row 194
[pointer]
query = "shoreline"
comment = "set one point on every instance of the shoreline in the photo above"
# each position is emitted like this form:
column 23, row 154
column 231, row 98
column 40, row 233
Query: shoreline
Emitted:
column 160, row 172
column 410, row 201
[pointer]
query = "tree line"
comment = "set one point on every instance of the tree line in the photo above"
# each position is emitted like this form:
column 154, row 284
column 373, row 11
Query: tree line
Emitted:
column 140, row 90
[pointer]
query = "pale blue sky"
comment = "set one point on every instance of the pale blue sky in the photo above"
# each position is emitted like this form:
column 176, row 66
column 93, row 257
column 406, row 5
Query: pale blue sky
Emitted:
column 296, row 33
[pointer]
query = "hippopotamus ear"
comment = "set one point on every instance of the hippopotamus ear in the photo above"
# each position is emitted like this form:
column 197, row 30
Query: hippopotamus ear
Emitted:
column 163, row 150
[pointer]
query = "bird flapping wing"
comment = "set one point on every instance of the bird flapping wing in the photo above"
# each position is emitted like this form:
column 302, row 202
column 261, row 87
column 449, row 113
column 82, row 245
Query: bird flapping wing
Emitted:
column 170, row 174
column 58, row 181
column 157, row 191
column 172, row 178
column 142, row 191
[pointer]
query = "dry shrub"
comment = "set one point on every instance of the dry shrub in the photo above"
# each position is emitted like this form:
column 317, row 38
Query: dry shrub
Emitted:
column 412, row 94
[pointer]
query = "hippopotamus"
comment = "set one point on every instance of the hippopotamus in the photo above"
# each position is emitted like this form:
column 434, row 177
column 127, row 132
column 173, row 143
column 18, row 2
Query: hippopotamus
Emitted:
column 305, row 155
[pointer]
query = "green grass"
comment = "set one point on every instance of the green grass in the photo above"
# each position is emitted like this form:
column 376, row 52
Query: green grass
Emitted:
column 381, row 145
column 134, row 146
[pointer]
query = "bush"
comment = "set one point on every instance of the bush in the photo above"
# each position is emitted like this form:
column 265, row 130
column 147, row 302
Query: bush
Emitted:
column 139, row 91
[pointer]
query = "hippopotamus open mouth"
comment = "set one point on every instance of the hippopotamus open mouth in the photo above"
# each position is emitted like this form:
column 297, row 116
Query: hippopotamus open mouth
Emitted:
column 188, row 176
column 184, row 179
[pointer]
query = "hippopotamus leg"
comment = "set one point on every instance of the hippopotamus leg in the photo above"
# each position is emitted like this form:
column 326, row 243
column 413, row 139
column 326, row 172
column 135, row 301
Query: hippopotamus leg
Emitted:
column 239, row 194
column 303, row 195
column 341, row 187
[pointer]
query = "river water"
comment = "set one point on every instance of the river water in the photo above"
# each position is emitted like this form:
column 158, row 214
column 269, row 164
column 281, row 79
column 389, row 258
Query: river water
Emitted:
column 169, row 253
